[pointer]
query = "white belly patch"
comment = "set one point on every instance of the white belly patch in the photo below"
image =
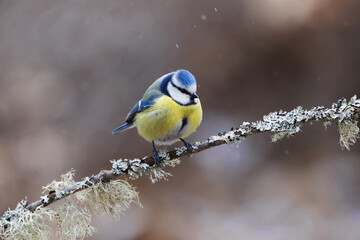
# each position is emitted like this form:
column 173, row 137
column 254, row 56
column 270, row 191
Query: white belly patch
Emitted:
column 174, row 134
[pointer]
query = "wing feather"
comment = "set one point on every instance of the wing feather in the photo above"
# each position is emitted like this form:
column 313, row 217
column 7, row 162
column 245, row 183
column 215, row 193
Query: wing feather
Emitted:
column 139, row 107
column 148, row 100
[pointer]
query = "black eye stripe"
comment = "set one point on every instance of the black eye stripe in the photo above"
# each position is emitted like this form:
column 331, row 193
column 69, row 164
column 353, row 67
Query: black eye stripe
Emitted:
column 180, row 89
column 183, row 91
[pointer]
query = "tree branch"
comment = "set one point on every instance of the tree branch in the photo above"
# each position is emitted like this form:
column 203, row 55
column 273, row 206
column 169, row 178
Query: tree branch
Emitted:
column 343, row 113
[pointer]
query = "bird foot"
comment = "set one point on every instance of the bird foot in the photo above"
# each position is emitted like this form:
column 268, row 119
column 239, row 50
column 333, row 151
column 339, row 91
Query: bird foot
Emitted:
column 189, row 147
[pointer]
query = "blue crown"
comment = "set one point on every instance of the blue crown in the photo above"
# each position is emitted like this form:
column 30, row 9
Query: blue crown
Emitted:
column 185, row 77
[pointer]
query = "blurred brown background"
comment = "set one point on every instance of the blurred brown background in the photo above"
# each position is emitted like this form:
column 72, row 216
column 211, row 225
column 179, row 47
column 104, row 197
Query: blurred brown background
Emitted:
column 71, row 70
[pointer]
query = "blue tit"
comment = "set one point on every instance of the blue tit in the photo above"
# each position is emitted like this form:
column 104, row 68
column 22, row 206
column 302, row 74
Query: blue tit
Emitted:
column 169, row 111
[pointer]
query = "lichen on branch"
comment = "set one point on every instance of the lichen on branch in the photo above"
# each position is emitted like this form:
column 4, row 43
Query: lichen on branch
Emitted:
column 104, row 192
column 23, row 224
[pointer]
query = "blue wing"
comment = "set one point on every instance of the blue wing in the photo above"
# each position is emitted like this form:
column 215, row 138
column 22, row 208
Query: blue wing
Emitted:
column 122, row 128
column 129, row 121
column 139, row 107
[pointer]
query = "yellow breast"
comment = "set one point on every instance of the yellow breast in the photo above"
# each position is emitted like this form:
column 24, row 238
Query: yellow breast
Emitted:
column 161, row 122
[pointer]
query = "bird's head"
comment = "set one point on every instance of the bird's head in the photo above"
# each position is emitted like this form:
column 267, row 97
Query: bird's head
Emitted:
column 182, row 88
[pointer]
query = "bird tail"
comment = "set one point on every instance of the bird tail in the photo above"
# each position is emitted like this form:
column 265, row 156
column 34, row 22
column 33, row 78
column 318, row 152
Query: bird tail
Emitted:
column 123, row 127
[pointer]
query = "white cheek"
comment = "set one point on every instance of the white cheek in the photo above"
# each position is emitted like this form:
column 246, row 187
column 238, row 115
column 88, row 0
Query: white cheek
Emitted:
column 177, row 95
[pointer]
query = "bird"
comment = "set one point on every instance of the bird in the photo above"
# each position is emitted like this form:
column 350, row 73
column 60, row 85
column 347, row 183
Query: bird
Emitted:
column 169, row 111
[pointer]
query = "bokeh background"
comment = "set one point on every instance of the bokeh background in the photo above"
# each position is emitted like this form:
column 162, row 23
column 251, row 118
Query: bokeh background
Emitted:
column 71, row 70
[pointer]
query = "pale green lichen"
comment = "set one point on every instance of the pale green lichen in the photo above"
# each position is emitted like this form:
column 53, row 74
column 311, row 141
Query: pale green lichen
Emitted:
column 66, row 180
column 180, row 150
column 349, row 133
column 285, row 124
column 157, row 174
column 116, row 196
column 231, row 137
column 73, row 222
column 134, row 166
column 280, row 135
column 45, row 199
column 327, row 124
column 22, row 224
column 173, row 162
column 279, row 122
column 113, row 197
column 164, row 155
column 213, row 139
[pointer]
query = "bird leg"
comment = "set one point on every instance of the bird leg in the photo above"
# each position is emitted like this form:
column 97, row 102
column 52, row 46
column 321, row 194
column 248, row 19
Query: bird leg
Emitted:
column 156, row 155
column 188, row 146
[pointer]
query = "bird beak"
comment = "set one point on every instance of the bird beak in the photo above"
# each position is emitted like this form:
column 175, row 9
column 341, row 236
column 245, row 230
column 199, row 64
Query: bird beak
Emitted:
column 194, row 95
